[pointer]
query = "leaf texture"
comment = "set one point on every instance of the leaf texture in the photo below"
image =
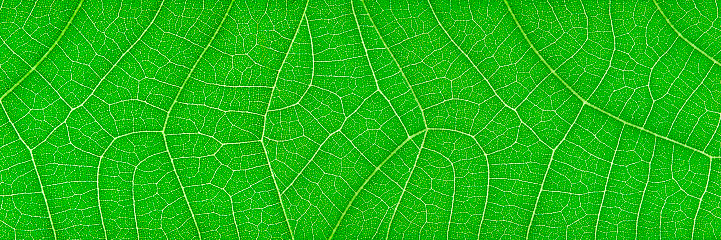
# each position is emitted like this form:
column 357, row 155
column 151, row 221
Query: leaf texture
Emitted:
column 360, row 119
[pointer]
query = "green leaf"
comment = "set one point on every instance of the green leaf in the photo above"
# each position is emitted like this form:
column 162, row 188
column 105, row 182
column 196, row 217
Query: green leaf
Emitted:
column 360, row 119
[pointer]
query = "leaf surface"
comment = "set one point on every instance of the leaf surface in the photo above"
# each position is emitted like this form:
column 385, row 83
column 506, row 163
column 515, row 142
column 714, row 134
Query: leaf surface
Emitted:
column 360, row 119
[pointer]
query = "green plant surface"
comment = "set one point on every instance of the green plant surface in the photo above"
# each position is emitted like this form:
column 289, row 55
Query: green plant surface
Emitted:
column 360, row 119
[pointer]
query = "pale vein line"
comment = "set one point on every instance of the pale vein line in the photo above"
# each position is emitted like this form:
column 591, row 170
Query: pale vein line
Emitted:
column 367, row 180
column 265, row 117
column 494, row 93
column 57, row 40
column 651, row 71
column 683, row 37
column 608, row 179
column 102, row 220
column 545, row 175
column 453, row 200
column 405, row 185
column 400, row 69
column 97, row 185
column 232, row 212
column 32, row 69
column 132, row 191
column 690, row 96
column 320, row 146
column 312, row 70
column 645, row 187
column 175, row 100
column 488, row 171
column 700, row 201
column 97, row 182
column 585, row 102
column 373, row 72
column 718, row 124
column 37, row 173
column 613, row 52
column 129, row 48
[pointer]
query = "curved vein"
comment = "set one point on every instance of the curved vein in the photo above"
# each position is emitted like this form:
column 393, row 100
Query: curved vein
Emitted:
column 548, row 169
column 373, row 71
column 175, row 100
column 405, row 185
column 102, row 220
column 608, row 179
column 102, row 79
column 683, row 37
column 265, row 116
column 97, row 182
column 368, row 179
column 400, row 69
column 645, row 186
column 37, row 173
column 32, row 69
column 57, row 40
column 493, row 89
column 325, row 140
column 585, row 102
column 700, row 201
column 488, row 172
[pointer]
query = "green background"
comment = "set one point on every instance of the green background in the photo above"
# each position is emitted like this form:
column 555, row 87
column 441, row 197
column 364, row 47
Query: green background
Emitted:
column 407, row 119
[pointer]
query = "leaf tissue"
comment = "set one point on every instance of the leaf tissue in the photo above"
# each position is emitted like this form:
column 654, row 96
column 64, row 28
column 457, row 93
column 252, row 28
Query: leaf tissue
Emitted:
column 360, row 119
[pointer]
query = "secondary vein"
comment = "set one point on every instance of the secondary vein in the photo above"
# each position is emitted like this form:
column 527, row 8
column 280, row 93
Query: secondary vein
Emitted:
column 684, row 37
column 55, row 44
column 265, row 117
column 585, row 102
column 375, row 171
column 175, row 100
column 32, row 69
